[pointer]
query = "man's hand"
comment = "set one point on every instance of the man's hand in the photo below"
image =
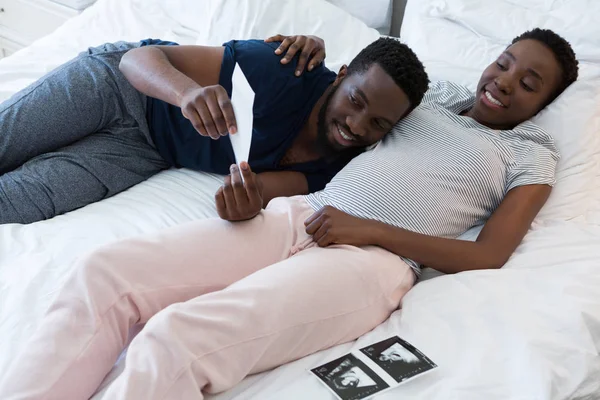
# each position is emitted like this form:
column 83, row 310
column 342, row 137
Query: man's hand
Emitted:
column 331, row 226
column 209, row 109
column 312, row 50
column 237, row 201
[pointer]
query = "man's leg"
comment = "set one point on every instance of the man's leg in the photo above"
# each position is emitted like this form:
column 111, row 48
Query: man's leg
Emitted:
column 309, row 302
column 81, row 97
column 96, row 167
column 111, row 290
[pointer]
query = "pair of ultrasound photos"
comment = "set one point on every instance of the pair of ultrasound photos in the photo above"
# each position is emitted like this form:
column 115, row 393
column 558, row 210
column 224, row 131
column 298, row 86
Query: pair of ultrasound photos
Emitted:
column 351, row 379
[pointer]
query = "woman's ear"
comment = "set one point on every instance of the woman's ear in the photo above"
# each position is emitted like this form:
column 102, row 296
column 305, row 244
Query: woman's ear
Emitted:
column 341, row 74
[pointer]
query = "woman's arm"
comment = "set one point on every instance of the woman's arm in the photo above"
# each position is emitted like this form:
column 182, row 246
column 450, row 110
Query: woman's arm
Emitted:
column 499, row 238
column 311, row 48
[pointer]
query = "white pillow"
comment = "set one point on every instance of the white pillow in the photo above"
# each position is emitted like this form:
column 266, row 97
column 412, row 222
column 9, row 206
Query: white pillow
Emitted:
column 574, row 122
column 502, row 20
column 344, row 34
column 472, row 33
column 457, row 39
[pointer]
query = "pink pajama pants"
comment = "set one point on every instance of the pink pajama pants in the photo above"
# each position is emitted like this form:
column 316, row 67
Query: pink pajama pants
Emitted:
column 220, row 300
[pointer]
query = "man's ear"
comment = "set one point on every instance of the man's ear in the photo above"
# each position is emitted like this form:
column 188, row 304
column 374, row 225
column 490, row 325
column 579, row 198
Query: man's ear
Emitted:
column 341, row 74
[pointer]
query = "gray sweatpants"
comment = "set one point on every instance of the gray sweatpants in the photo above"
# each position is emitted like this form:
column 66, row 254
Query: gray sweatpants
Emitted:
column 76, row 136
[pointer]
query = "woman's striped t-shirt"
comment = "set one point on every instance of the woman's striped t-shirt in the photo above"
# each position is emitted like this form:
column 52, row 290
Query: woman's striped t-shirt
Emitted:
column 439, row 173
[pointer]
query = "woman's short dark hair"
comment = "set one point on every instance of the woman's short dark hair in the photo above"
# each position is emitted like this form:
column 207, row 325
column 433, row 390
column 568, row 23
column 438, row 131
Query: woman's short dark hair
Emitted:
column 562, row 51
column 399, row 62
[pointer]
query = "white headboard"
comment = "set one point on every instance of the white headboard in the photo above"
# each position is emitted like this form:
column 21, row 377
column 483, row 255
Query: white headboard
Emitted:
column 398, row 7
column 383, row 15
column 376, row 14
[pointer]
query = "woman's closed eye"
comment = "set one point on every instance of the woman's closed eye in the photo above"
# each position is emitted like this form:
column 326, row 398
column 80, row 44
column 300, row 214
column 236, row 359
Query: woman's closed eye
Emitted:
column 501, row 66
column 526, row 87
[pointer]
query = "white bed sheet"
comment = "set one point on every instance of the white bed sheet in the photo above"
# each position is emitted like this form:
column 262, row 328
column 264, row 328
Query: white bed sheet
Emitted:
column 528, row 331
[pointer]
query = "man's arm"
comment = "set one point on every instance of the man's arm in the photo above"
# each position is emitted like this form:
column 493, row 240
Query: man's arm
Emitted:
column 239, row 201
column 168, row 72
column 282, row 184
column 187, row 77
column 497, row 241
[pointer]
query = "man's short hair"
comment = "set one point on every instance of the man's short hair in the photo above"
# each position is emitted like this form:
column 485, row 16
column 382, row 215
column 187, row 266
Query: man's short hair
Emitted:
column 398, row 61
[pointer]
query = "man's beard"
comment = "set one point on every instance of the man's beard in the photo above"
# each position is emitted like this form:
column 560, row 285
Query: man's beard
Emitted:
column 324, row 146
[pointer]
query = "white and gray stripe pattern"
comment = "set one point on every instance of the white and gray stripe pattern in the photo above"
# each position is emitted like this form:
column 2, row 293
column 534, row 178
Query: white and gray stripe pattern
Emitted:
column 438, row 173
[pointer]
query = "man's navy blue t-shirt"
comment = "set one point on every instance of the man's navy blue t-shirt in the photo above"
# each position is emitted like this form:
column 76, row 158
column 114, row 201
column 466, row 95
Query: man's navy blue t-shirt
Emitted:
column 282, row 105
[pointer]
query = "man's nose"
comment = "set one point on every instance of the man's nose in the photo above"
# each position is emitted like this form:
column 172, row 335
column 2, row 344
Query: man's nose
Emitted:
column 358, row 124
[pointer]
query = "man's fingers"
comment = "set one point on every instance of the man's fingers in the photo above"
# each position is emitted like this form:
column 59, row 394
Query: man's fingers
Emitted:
column 220, row 203
column 239, row 191
column 212, row 102
column 207, row 120
column 228, row 196
column 228, row 113
column 192, row 115
column 252, row 190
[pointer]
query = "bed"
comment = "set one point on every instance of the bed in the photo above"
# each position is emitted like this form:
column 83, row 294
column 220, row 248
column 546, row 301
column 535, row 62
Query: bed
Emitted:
column 528, row 331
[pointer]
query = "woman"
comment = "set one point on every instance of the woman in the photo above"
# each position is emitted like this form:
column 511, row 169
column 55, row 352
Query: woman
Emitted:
column 224, row 300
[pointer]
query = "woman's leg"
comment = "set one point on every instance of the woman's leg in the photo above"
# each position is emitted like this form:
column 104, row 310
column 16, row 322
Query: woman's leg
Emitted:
column 309, row 302
column 81, row 97
column 124, row 284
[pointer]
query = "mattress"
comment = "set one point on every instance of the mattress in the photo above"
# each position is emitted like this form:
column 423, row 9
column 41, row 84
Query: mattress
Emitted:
column 528, row 331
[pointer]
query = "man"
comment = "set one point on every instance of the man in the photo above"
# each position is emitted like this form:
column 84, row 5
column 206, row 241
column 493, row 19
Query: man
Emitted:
column 119, row 113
